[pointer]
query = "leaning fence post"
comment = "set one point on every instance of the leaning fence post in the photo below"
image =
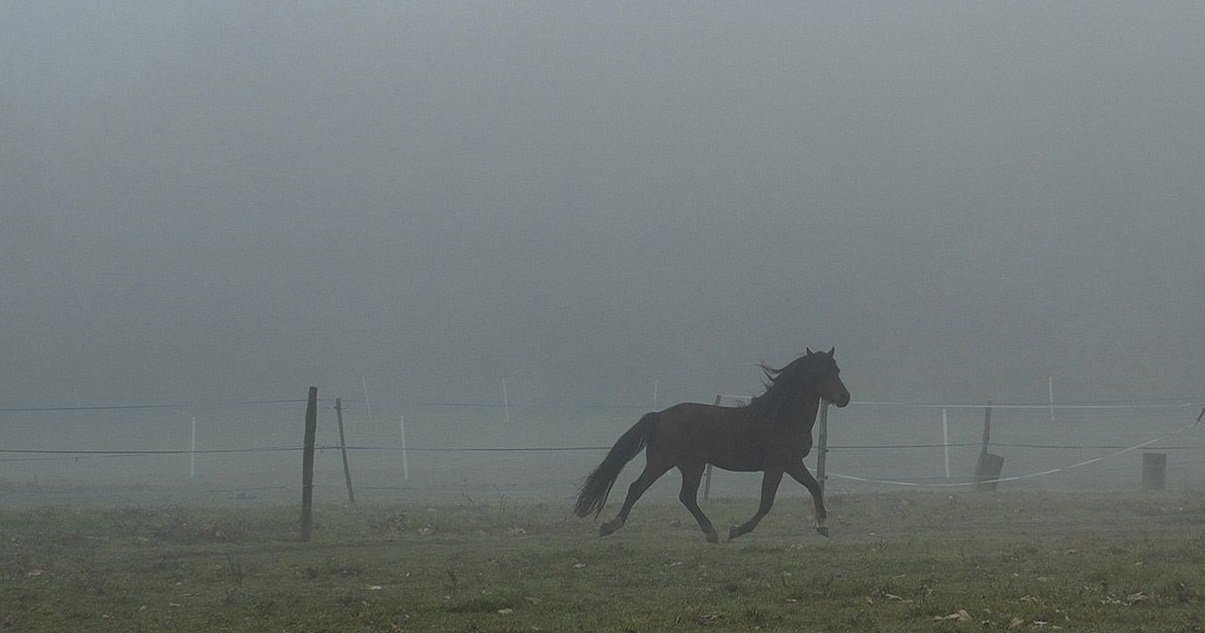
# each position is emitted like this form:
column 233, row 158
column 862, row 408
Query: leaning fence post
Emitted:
column 351, row 494
column 307, row 464
column 822, row 444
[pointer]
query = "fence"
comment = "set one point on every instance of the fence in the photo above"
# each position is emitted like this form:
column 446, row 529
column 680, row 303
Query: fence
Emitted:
column 252, row 450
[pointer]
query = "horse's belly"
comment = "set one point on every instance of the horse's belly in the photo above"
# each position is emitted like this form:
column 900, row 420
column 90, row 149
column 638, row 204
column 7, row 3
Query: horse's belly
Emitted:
column 755, row 458
column 741, row 456
column 740, row 466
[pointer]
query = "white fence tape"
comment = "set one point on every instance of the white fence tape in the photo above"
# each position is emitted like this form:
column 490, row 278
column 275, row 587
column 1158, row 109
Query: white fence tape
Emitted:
column 1042, row 473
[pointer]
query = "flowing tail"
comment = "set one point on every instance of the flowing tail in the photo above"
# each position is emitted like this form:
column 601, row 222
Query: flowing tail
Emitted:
column 593, row 495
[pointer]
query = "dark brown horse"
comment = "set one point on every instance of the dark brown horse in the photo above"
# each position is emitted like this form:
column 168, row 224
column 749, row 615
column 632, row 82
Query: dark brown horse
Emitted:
column 773, row 433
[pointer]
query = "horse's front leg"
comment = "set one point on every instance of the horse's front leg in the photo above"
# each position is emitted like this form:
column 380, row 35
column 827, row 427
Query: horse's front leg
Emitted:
column 769, row 488
column 800, row 473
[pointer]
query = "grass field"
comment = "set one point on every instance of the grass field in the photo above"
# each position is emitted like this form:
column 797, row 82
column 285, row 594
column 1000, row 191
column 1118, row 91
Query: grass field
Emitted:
column 896, row 562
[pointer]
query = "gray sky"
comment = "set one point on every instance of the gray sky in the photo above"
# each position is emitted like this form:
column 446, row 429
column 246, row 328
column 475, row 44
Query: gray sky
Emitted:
column 228, row 200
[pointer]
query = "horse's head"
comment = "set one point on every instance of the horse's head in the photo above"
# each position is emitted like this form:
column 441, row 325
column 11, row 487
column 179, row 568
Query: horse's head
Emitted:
column 811, row 375
column 827, row 376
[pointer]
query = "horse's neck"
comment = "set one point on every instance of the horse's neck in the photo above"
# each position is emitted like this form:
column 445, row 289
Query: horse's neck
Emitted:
column 805, row 413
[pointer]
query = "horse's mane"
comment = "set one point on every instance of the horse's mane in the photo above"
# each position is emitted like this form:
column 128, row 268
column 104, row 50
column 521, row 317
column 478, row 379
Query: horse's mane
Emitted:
column 784, row 384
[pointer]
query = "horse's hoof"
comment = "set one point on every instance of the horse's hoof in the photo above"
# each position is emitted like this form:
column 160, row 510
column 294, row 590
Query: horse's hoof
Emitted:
column 713, row 538
column 606, row 528
column 734, row 532
column 822, row 530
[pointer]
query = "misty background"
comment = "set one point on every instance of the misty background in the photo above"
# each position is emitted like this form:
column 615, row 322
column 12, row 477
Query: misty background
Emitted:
column 230, row 201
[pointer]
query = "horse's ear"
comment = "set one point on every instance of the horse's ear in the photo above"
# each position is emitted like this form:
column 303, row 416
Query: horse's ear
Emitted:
column 830, row 352
column 810, row 352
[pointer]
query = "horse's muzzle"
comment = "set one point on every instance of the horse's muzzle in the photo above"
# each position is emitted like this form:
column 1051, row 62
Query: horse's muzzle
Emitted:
column 842, row 400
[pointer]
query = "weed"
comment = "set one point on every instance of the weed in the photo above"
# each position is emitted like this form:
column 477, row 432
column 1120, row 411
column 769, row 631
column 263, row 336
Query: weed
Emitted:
column 234, row 568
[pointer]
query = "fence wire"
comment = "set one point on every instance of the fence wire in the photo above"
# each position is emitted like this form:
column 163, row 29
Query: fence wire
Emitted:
column 453, row 457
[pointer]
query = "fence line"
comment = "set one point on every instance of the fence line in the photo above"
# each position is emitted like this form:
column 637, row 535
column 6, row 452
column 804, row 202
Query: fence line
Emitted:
column 102, row 452
column 347, row 406
column 77, row 454
column 1043, row 407
column 523, row 449
column 1171, row 403
column 129, row 407
column 1043, row 473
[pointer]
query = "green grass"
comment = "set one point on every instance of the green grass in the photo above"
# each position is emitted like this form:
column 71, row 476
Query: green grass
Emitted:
column 1010, row 561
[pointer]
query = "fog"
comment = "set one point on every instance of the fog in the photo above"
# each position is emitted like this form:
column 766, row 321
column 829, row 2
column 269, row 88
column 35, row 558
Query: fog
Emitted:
column 226, row 201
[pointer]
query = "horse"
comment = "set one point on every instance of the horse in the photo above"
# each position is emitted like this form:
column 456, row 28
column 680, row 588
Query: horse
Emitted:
column 773, row 433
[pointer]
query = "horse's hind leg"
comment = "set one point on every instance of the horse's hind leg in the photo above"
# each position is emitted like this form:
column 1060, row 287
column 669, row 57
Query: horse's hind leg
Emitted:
column 769, row 488
column 653, row 469
column 691, row 476
column 800, row 473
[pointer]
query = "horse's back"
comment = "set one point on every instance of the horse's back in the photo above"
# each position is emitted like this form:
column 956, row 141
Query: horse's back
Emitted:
column 702, row 433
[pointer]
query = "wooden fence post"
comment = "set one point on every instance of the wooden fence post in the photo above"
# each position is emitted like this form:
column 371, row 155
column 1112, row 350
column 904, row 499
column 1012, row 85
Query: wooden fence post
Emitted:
column 307, row 465
column 351, row 494
column 1154, row 471
column 822, row 444
column 989, row 466
column 707, row 474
